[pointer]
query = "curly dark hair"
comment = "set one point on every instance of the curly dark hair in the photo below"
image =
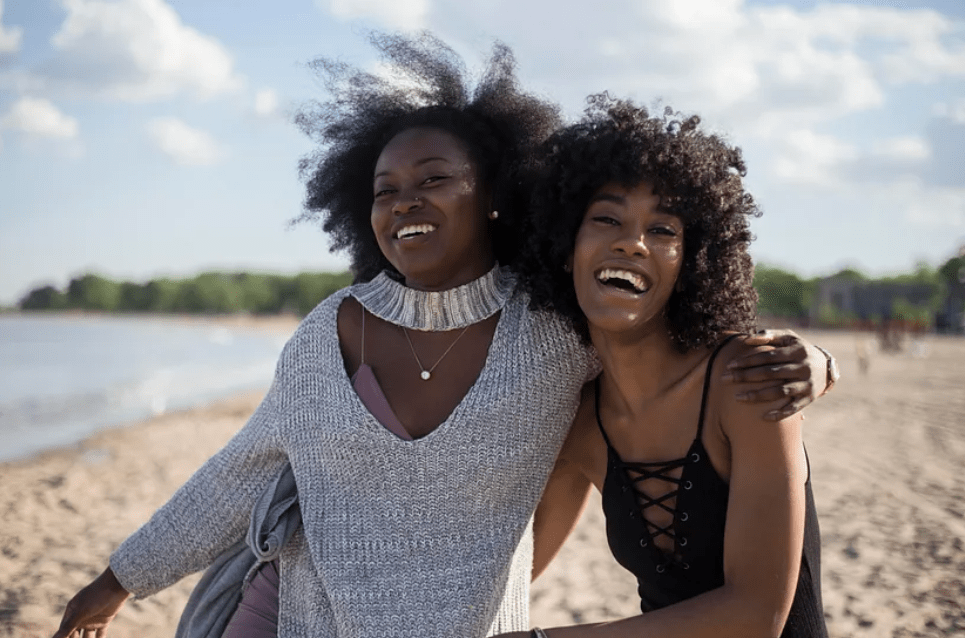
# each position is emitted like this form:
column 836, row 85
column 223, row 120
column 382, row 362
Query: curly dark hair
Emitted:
column 499, row 123
column 698, row 177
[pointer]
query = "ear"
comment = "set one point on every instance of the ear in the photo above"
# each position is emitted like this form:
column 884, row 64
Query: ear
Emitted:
column 568, row 264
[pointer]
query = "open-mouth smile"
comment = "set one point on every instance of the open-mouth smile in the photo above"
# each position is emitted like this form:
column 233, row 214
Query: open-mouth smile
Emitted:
column 414, row 230
column 623, row 280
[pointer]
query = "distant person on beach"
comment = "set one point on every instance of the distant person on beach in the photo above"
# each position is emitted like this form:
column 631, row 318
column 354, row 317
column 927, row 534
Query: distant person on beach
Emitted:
column 419, row 411
column 640, row 240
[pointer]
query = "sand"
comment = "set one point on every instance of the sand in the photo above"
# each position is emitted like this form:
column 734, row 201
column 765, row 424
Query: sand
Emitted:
column 886, row 448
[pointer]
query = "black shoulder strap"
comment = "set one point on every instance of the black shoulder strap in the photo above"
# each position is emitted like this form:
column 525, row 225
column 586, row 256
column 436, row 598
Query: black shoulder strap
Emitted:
column 596, row 402
column 710, row 368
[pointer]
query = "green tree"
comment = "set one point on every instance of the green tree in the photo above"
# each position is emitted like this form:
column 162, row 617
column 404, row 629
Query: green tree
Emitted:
column 851, row 274
column 953, row 271
column 779, row 293
column 160, row 295
column 210, row 292
column 133, row 297
column 93, row 292
column 903, row 309
column 44, row 298
column 259, row 293
column 310, row 288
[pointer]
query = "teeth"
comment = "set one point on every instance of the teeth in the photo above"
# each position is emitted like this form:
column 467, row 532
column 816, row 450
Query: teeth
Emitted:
column 416, row 229
column 633, row 279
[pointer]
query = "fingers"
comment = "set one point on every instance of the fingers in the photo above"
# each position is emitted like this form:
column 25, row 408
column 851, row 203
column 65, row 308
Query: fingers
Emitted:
column 784, row 354
column 771, row 349
column 793, row 391
column 68, row 625
column 780, row 372
column 773, row 338
column 799, row 394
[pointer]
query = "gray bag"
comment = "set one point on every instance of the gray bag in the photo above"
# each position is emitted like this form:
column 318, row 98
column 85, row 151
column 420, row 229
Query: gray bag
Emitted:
column 274, row 518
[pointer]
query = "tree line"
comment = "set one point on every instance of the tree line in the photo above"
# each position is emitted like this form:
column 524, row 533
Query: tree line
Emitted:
column 785, row 295
column 781, row 294
column 206, row 293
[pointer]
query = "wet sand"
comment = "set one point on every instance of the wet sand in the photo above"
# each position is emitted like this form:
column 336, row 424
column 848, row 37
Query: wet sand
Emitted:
column 887, row 450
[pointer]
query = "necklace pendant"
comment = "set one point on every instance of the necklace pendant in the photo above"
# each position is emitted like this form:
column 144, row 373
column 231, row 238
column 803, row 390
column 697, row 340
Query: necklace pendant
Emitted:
column 425, row 375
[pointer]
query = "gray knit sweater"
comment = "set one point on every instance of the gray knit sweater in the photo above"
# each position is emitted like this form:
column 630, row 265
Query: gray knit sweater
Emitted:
column 423, row 538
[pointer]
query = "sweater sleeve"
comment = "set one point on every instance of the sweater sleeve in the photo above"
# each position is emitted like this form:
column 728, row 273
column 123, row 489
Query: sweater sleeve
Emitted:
column 210, row 512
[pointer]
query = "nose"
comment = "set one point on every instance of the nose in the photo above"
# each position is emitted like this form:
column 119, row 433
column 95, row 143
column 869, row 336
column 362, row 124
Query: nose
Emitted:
column 632, row 243
column 406, row 203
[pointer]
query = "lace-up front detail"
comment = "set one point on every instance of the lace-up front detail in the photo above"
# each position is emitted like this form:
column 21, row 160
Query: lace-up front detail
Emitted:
column 652, row 493
column 654, row 511
column 665, row 523
column 665, row 519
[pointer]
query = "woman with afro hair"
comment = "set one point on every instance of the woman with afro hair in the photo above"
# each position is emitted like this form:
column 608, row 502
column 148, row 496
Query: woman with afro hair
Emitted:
column 639, row 239
column 418, row 412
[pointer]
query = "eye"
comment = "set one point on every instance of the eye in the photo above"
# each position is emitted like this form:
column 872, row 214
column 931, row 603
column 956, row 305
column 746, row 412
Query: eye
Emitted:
column 668, row 231
column 434, row 178
column 605, row 219
column 383, row 191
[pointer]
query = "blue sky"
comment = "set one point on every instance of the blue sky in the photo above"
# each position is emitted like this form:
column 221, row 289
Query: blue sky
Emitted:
column 141, row 138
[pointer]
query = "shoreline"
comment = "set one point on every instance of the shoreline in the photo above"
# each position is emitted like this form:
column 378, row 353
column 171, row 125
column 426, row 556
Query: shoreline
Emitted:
column 886, row 449
column 246, row 321
column 66, row 510
column 26, row 443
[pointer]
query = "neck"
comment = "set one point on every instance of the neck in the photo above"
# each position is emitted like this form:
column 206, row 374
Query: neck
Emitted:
column 450, row 279
column 638, row 368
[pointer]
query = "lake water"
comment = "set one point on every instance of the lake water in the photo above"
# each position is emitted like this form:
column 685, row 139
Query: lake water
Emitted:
column 63, row 378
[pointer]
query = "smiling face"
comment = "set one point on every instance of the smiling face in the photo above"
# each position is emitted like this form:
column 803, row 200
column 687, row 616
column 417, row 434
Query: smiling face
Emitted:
column 626, row 259
column 429, row 211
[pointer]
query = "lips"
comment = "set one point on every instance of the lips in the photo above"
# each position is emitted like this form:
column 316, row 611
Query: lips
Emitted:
column 414, row 230
column 623, row 279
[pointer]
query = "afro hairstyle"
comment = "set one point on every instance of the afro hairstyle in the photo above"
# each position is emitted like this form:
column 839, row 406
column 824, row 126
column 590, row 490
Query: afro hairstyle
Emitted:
column 698, row 177
column 424, row 84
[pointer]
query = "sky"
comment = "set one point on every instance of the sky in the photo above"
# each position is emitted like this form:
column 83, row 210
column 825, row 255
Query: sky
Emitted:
column 146, row 138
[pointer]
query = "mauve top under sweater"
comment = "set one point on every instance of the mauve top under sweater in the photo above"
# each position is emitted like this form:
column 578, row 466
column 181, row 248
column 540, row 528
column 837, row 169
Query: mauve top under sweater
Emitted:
column 423, row 538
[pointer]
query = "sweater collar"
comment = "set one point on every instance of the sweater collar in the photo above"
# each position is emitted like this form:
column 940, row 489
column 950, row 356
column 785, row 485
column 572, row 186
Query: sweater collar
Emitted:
column 443, row 310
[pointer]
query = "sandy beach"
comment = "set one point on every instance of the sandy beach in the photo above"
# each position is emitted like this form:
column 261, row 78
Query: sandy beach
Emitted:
column 887, row 450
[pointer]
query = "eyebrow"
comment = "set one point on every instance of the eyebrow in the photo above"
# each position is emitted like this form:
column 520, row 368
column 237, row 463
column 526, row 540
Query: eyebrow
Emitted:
column 424, row 160
column 608, row 197
column 622, row 201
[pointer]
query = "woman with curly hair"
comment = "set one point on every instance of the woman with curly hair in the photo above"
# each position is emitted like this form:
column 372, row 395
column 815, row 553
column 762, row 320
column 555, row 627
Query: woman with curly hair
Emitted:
column 418, row 412
column 640, row 237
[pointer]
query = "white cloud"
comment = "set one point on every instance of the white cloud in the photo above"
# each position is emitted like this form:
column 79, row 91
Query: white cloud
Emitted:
column 394, row 14
column 699, row 14
column 39, row 117
column 938, row 208
column 9, row 36
column 808, row 158
column 908, row 148
column 804, row 157
column 185, row 145
column 266, row 102
column 954, row 111
column 135, row 51
column 761, row 68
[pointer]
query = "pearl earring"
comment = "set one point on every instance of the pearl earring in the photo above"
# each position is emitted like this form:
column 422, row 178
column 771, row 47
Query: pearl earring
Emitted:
column 494, row 215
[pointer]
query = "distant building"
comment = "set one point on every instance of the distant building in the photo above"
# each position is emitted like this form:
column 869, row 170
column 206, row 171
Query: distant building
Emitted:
column 951, row 317
column 867, row 301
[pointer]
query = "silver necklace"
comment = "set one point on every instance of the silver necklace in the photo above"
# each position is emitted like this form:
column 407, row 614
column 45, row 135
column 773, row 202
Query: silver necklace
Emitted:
column 437, row 311
column 427, row 374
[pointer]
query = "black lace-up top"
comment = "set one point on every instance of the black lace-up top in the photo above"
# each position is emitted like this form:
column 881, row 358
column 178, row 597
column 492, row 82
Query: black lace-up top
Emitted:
column 697, row 502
